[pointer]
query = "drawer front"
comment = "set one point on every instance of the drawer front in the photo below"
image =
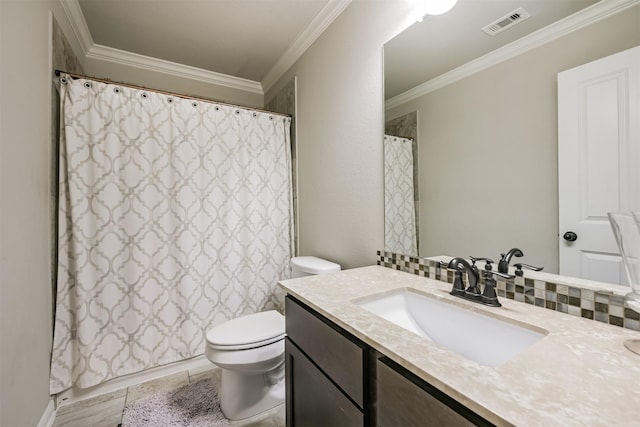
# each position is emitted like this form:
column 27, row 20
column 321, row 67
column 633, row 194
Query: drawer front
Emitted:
column 405, row 401
column 339, row 357
column 313, row 400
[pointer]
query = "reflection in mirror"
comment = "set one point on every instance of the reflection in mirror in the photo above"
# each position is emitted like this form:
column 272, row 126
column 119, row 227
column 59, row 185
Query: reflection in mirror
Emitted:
column 401, row 186
column 487, row 132
column 399, row 196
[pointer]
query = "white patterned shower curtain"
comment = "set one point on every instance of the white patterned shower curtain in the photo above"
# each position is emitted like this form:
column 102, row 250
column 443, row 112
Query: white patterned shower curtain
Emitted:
column 399, row 200
column 174, row 215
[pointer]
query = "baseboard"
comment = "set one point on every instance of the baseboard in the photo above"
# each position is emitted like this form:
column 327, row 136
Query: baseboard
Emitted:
column 49, row 416
column 75, row 394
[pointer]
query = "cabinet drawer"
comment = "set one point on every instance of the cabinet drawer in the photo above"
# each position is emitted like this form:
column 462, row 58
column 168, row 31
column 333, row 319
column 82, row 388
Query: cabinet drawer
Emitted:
column 312, row 399
column 405, row 400
column 339, row 357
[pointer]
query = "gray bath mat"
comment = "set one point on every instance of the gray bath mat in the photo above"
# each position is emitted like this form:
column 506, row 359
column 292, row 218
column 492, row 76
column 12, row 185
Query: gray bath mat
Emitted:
column 193, row 405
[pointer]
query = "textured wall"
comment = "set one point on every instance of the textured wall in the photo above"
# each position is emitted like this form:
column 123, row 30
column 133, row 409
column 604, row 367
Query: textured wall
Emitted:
column 63, row 59
column 285, row 102
column 405, row 126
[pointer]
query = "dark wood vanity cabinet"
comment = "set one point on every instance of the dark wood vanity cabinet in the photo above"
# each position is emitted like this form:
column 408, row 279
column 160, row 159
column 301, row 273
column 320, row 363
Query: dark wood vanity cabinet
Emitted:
column 334, row 379
column 313, row 400
column 403, row 399
column 325, row 366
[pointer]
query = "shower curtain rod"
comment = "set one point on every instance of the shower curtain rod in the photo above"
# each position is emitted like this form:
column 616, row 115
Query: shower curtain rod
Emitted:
column 403, row 137
column 179, row 95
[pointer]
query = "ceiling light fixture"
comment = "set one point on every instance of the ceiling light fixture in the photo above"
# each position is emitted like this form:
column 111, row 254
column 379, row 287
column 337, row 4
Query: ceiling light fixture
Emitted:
column 437, row 7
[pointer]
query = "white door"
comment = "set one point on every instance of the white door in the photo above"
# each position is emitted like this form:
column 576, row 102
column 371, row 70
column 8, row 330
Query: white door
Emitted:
column 599, row 161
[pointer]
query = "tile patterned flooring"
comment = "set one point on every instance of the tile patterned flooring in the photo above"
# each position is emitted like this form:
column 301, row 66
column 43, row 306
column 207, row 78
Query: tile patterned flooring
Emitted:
column 106, row 410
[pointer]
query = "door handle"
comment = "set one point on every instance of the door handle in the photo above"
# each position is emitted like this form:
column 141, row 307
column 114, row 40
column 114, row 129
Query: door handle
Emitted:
column 570, row 236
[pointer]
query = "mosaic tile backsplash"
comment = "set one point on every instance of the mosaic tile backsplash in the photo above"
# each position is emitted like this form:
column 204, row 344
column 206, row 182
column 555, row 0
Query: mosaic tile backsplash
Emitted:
column 600, row 306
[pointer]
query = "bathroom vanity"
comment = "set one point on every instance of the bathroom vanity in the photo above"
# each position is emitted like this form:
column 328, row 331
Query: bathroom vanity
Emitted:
column 348, row 366
column 334, row 379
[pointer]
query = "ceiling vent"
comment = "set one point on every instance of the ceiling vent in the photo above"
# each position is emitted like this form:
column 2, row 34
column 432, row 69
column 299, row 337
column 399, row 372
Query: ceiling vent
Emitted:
column 506, row 21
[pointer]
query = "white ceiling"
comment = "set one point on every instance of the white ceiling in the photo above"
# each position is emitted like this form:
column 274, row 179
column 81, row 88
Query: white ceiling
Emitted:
column 439, row 44
column 241, row 38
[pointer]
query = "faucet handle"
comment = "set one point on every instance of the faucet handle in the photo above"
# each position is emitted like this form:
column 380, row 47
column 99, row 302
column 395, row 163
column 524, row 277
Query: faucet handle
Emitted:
column 458, row 285
column 519, row 266
column 488, row 262
column 503, row 275
column 489, row 296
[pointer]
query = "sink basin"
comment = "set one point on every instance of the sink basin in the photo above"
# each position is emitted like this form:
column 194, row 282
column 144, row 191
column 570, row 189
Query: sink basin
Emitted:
column 486, row 340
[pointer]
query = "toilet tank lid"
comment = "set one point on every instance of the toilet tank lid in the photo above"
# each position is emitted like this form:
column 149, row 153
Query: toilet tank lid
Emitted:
column 249, row 329
column 313, row 265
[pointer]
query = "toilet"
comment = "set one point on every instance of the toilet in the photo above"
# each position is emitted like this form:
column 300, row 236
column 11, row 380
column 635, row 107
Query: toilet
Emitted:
column 250, row 351
column 310, row 265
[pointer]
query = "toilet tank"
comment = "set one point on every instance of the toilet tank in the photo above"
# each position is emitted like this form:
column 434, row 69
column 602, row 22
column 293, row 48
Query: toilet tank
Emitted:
column 310, row 265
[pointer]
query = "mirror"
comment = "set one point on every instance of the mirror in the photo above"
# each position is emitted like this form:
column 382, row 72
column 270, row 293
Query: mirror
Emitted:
column 484, row 115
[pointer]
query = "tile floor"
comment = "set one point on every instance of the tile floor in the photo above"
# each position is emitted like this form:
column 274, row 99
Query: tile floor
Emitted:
column 106, row 410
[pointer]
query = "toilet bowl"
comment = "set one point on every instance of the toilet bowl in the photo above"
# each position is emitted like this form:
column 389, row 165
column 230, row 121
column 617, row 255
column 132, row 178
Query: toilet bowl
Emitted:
column 250, row 352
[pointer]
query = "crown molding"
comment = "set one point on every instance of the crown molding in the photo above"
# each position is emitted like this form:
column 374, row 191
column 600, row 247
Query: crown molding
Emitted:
column 327, row 15
column 95, row 51
column 79, row 26
column 577, row 21
column 316, row 27
column 117, row 56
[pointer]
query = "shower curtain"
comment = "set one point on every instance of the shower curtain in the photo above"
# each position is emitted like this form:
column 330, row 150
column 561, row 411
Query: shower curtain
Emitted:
column 174, row 215
column 399, row 199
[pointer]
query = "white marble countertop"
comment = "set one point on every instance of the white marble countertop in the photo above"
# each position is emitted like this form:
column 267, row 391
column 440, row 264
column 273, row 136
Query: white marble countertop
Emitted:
column 580, row 373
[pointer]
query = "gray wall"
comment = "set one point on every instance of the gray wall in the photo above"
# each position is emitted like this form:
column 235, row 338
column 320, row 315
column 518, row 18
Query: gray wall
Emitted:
column 340, row 124
column 25, row 223
column 488, row 149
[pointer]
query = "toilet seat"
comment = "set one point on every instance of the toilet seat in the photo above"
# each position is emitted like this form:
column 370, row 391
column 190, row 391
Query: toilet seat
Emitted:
column 245, row 346
column 250, row 331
